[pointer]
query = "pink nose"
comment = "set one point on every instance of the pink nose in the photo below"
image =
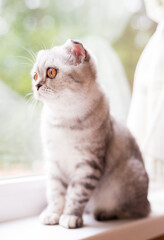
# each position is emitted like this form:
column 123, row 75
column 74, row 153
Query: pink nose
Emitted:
column 38, row 86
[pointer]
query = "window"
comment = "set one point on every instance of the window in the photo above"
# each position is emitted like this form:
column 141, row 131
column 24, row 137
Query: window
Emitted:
column 116, row 31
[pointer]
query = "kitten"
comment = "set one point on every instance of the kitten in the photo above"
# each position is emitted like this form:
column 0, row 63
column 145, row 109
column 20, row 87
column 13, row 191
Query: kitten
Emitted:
column 94, row 163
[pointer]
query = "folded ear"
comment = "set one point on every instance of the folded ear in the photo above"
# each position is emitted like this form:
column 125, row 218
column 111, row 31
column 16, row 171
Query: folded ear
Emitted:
column 77, row 51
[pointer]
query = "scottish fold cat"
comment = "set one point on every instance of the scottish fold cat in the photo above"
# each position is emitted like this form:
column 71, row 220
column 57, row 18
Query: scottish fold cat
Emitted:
column 93, row 162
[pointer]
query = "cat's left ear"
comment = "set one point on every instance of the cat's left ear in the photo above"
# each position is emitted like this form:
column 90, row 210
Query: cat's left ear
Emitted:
column 77, row 51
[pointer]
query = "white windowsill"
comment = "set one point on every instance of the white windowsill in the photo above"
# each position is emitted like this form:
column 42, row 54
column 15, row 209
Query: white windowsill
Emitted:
column 143, row 229
column 21, row 197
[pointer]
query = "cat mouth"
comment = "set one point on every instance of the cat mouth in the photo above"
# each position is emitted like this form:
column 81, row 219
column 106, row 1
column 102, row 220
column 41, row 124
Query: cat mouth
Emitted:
column 44, row 92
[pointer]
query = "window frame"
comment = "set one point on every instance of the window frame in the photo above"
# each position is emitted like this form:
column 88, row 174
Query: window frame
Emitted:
column 22, row 197
column 26, row 196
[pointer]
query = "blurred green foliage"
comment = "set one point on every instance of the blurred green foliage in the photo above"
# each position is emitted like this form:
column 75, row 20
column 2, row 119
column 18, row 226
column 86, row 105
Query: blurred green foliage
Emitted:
column 27, row 26
column 31, row 25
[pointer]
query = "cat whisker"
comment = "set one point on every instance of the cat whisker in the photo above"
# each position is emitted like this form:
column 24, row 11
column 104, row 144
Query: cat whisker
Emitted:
column 29, row 100
column 32, row 105
column 28, row 94
column 23, row 63
column 26, row 58
column 43, row 45
column 31, row 53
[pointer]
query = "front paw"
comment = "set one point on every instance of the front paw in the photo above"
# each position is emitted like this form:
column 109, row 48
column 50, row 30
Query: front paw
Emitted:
column 70, row 221
column 49, row 218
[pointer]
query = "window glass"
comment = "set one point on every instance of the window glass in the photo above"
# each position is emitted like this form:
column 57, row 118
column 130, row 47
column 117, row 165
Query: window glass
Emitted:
column 115, row 30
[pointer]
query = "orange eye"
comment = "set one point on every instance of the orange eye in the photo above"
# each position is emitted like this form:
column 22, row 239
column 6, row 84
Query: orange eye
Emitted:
column 36, row 77
column 51, row 73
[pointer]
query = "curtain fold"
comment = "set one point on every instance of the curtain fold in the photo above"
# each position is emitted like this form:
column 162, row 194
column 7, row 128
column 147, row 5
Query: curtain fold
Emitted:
column 146, row 115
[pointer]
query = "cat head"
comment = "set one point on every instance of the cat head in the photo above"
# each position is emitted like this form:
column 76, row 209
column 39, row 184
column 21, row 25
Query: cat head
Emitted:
column 63, row 72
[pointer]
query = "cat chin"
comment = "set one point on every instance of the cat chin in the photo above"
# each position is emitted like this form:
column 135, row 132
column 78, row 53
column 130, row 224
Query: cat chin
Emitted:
column 37, row 95
column 42, row 97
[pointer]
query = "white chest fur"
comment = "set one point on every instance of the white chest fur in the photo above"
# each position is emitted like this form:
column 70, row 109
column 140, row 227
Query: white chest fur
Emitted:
column 60, row 146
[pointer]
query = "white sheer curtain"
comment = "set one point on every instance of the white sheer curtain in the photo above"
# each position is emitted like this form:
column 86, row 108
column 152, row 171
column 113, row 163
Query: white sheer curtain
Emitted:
column 111, row 76
column 146, row 116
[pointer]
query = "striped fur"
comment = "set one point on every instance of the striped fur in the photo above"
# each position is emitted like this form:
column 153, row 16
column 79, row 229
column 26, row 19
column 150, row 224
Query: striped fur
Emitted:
column 93, row 162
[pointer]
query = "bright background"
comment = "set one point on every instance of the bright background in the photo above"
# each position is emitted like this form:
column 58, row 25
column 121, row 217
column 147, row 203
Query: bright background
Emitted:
column 116, row 30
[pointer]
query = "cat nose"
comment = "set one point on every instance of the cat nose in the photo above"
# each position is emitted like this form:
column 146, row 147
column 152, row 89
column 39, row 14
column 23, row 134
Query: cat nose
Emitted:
column 38, row 86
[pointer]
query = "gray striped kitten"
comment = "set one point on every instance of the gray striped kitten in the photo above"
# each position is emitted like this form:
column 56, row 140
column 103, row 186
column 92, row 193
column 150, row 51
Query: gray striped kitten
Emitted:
column 93, row 162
